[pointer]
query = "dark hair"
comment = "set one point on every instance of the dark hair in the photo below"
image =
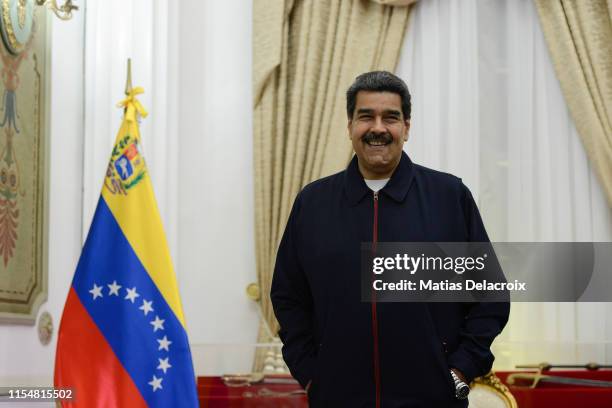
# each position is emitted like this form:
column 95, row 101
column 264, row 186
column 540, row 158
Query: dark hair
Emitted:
column 378, row 81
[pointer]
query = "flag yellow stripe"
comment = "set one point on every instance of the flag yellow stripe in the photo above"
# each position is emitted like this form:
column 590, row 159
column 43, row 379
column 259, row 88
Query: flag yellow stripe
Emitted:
column 137, row 214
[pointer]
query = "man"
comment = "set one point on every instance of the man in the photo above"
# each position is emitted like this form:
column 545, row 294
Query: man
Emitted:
column 349, row 353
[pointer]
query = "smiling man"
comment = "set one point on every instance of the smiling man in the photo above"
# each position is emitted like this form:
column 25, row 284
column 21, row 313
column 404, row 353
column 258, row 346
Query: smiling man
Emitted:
column 349, row 353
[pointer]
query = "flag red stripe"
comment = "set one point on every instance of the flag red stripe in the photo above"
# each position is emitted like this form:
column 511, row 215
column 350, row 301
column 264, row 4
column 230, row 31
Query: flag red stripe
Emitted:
column 86, row 363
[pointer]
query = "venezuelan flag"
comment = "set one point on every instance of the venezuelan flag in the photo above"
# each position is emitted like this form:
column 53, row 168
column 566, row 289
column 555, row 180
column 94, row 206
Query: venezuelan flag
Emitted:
column 122, row 339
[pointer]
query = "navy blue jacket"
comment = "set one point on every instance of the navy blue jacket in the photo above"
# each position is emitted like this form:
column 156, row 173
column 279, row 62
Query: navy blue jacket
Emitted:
column 329, row 335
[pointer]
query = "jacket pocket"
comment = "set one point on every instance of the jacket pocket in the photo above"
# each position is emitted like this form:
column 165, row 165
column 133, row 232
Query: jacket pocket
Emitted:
column 322, row 346
column 441, row 352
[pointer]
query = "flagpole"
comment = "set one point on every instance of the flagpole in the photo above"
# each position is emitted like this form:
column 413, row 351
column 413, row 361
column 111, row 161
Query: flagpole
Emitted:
column 128, row 81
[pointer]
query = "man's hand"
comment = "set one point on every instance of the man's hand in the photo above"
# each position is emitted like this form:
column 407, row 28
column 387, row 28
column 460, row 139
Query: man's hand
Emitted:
column 454, row 370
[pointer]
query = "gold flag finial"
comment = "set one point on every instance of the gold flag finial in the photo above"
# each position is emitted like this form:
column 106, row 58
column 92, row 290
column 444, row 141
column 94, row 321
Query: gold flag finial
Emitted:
column 130, row 104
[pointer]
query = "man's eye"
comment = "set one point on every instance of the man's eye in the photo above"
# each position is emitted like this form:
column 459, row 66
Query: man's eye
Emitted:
column 391, row 119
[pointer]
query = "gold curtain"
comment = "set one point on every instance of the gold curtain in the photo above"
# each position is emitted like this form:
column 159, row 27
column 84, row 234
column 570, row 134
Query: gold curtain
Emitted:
column 306, row 54
column 579, row 38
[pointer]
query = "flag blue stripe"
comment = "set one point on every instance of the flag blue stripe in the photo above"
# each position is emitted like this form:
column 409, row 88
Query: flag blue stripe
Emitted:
column 106, row 257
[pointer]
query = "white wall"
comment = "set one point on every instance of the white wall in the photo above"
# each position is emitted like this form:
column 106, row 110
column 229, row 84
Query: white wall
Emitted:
column 24, row 360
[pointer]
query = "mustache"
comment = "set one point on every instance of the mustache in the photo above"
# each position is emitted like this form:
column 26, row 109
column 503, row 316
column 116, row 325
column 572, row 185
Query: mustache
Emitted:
column 377, row 137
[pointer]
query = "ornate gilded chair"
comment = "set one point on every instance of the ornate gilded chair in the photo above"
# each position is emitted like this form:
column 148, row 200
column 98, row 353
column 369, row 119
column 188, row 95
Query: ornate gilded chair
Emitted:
column 489, row 392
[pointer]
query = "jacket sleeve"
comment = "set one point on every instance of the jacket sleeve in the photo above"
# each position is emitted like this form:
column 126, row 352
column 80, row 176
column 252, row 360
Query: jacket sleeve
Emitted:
column 293, row 305
column 484, row 321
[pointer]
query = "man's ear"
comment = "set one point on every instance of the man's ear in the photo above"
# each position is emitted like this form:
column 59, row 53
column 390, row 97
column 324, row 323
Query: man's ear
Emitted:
column 407, row 124
column 348, row 128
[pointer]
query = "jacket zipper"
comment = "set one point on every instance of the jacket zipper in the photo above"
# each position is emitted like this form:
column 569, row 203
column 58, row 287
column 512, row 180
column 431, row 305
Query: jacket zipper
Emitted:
column 374, row 314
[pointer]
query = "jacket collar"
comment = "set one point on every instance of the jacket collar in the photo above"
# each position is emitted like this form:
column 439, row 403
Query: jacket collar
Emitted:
column 397, row 188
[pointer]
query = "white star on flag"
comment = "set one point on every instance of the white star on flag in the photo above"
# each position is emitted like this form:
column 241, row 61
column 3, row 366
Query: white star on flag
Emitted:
column 113, row 288
column 155, row 383
column 131, row 294
column 96, row 291
column 146, row 306
column 164, row 364
column 158, row 324
column 164, row 344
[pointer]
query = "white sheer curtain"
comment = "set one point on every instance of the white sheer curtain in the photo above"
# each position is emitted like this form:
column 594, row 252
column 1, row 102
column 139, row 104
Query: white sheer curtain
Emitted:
column 146, row 32
column 488, row 108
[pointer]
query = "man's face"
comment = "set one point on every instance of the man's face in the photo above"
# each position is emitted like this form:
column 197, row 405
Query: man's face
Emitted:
column 378, row 131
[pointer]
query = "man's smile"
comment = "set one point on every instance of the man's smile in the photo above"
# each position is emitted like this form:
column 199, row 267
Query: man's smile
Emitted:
column 377, row 139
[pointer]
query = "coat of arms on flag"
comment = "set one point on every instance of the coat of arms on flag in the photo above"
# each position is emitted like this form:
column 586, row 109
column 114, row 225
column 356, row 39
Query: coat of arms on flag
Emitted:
column 126, row 162
column 122, row 340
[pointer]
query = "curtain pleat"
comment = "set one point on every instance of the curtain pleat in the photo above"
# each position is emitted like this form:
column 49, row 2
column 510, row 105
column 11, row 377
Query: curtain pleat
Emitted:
column 579, row 37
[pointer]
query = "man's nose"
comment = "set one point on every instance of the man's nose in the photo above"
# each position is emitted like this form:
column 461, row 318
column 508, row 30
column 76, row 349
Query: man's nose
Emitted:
column 378, row 126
